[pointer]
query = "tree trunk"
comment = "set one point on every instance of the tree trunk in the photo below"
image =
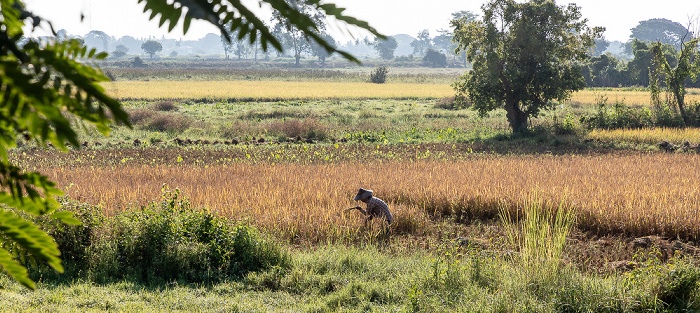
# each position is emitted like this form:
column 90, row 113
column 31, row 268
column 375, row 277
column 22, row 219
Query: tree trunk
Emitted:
column 516, row 117
column 680, row 101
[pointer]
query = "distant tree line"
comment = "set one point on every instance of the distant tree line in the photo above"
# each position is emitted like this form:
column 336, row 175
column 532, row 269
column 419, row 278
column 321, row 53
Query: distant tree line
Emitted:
column 606, row 70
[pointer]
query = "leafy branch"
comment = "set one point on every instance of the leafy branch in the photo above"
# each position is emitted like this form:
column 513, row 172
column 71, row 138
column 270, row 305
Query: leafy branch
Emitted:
column 232, row 16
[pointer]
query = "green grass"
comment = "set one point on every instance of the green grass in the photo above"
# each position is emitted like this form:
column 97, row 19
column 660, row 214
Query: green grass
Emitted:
column 374, row 121
column 379, row 275
column 345, row 279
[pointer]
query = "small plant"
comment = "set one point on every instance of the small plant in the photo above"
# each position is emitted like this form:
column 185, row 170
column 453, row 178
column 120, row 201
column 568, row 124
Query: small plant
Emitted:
column 565, row 127
column 378, row 76
column 540, row 236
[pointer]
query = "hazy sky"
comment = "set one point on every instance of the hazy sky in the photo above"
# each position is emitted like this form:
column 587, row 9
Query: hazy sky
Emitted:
column 390, row 17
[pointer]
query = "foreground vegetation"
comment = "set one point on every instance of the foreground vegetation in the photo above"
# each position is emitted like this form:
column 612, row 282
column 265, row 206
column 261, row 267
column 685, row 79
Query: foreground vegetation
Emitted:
column 273, row 177
column 630, row 194
column 168, row 237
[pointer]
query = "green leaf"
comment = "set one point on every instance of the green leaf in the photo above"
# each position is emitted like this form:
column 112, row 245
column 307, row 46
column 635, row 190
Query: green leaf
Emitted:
column 15, row 270
column 32, row 239
column 66, row 217
column 224, row 12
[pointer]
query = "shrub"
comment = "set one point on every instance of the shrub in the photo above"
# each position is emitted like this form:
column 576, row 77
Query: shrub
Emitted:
column 307, row 128
column 678, row 286
column 622, row 116
column 137, row 62
column 378, row 76
column 166, row 106
column 435, row 58
column 169, row 123
column 453, row 103
column 565, row 127
column 140, row 116
column 167, row 240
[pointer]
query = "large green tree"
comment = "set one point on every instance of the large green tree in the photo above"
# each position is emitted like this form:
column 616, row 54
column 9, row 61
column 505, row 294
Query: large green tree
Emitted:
column 524, row 56
column 660, row 30
column 43, row 84
column 152, row 47
column 385, row 47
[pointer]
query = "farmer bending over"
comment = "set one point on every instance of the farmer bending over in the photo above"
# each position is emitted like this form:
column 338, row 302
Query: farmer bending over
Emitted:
column 375, row 206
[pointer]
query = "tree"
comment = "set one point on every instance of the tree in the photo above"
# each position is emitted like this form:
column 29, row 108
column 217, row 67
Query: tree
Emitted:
column 604, row 71
column 131, row 43
column 600, row 46
column 524, row 55
column 661, row 30
column 443, row 42
column 435, row 59
column 460, row 18
column 293, row 37
column 96, row 37
column 676, row 76
column 639, row 66
column 121, row 48
column 321, row 52
column 422, row 43
column 43, row 84
column 234, row 46
column 385, row 47
column 152, row 47
column 119, row 51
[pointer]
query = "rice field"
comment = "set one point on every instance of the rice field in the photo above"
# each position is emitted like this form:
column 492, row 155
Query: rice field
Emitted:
column 246, row 90
column 648, row 136
column 631, row 194
column 270, row 90
column 638, row 97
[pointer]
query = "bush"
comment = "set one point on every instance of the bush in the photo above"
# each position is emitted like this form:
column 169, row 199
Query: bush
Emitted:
column 118, row 54
column 140, row 116
column 169, row 123
column 166, row 240
column 307, row 128
column 137, row 62
column 453, row 103
column 565, row 127
column 678, row 286
column 378, row 76
column 619, row 116
column 623, row 116
column 166, row 106
column 434, row 58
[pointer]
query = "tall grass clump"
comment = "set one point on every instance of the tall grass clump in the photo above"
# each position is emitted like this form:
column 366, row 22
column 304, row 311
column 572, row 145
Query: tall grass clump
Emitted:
column 165, row 241
column 540, row 236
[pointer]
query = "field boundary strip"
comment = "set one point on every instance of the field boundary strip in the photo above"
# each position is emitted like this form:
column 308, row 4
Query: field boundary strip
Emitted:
column 270, row 90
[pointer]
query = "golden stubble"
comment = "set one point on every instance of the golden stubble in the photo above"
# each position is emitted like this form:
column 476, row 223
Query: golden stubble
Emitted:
column 633, row 194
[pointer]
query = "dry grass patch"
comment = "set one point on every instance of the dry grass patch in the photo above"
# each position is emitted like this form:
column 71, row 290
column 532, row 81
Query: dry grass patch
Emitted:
column 635, row 194
column 647, row 135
